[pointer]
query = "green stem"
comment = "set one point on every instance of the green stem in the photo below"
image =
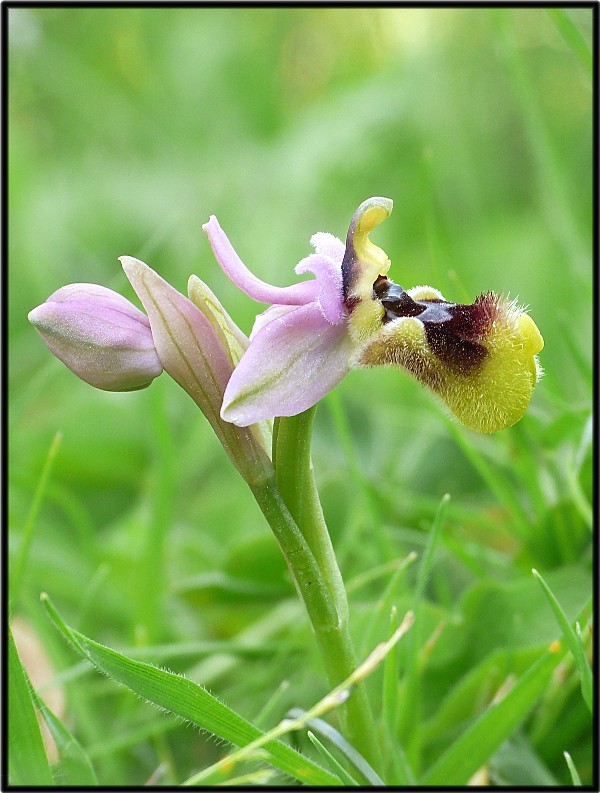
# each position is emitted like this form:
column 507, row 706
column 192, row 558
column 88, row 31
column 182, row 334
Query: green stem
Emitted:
column 295, row 484
column 295, row 549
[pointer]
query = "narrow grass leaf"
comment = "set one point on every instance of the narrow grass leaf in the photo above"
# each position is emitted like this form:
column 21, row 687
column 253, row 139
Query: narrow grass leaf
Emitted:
column 572, row 770
column 482, row 739
column 336, row 697
column 408, row 723
column 27, row 761
column 376, row 624
column 367, row 500
column 74, row 767
column 338, row 769
column 572, row 36
column 390, row 681
column 272, row 703
column 432, row 540
column 573, row 343
column 495, row 479
column 21, row 561
column 462, row 703
column 189, row 701
column 255, row 778
column 573, row 642
column 327, row 731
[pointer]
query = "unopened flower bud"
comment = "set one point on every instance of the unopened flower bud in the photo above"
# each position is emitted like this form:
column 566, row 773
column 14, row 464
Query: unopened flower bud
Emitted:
column 102, row 337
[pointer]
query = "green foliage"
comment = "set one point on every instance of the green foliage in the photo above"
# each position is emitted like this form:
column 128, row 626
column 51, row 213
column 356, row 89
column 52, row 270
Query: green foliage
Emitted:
column 128, row 127
column 73, row 766
column 482, row 738
column 27, row 757
column 187, row 700
column 574, row 641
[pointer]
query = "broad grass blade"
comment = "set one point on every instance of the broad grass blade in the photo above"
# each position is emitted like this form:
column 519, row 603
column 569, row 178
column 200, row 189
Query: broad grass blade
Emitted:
column 190, row 701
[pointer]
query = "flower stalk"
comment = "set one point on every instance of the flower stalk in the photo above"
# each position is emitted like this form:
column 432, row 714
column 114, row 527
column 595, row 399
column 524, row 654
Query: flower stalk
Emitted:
column 296, row 483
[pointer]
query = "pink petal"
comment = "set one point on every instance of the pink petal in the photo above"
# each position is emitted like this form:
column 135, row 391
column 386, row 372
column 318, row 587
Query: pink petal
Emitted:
column 326, row 244
column 268, row 315
column 192, row 354
column 289, row 366
column 187, row 345
column 236, row 270
column 329, row 278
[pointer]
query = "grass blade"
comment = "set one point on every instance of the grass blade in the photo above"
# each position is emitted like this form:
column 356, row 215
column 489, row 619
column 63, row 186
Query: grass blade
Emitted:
column 74, row 767
column 337, row 769
column 408, row 715
column 479, row 742
column 40, row 491
column 336, row 697
column 495, row 479
column 573, row 642
column 338, row 740
column 572, row 770
column 190, row 701
column 571, row 34
column 27, row 761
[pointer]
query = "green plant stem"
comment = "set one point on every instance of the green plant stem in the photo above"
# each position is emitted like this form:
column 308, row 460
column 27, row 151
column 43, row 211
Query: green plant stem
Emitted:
column 299, row 557
column 296, row 482
column 292, row 507
column 332, row 636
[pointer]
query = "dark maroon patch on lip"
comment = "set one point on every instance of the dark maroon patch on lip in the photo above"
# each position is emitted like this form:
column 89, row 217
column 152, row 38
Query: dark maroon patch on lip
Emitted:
column 453, row 330
column 459, row 354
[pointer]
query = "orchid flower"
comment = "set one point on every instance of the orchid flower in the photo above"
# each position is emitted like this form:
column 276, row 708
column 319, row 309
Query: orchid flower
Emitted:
column 480, row 359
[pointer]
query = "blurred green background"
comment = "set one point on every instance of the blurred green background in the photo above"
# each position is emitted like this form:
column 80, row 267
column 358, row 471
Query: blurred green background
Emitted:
column 128, row 127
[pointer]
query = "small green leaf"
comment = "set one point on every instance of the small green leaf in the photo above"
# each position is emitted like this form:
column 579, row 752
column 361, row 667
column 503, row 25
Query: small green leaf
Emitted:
column 27, row 761
column 573, row 642
column 190, row 701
